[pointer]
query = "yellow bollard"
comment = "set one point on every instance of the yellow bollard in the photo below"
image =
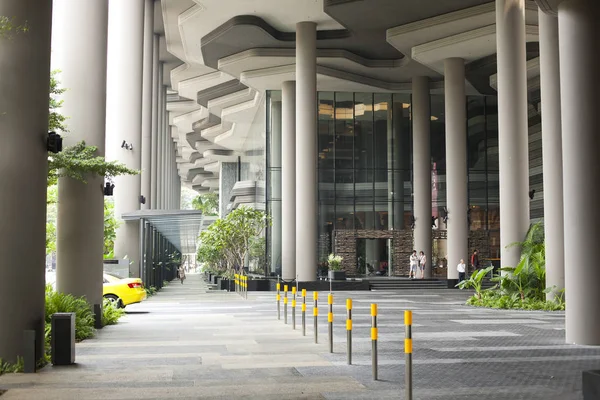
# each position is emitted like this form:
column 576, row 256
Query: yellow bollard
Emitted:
column 294, row 307
column 374, row 340
column 330, row 321
column 349, row 330
column 235, row 279
column 285, row 303
column 278, row 301
column 408, row 353
column 303, row 312
column 315, row 315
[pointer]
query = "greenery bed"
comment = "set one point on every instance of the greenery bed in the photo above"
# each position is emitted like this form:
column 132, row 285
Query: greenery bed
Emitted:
column 522, row 287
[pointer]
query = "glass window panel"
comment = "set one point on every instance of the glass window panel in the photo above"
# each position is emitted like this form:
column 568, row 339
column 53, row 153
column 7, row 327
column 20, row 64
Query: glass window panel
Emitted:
column 344, row 131
column 363, row 131
column 344, row 214
column 326, row 130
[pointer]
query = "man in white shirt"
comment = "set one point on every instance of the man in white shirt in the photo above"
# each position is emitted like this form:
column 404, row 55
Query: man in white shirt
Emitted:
column 461, row 267
column 414, row 263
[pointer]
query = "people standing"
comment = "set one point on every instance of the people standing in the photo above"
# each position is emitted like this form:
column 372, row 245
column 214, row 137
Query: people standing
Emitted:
column 181, row 271
column 414, row 263
column 461, row 268
column 422, row 262
column 475, row 260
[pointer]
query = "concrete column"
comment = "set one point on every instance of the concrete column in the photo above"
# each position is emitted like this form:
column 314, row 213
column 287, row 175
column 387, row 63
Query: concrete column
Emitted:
column 124, row 116
column 579, row 42
column 24, row 66
column 275, row 187
column 160, row 130
column 456, row 163
column 288, row 180
column 166, row 133
column 512, row 128
column 155, row 126
column 552, row 153
column 398, row 147
column 306, row 151
column 79, row 50
column 147, row 102
column 421, row 117
column 168, row 169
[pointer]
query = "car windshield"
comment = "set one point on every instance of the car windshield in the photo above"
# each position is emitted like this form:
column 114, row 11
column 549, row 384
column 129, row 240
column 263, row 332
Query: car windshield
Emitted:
column 113, row 276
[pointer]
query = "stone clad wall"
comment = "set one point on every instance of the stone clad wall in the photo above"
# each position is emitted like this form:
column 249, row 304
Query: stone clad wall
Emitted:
column 345, row 246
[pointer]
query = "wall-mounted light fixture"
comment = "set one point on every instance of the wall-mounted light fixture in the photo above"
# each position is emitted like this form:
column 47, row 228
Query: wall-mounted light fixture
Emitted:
column 445, row 216
column 126, row 146
column 54, row 142
column 531, row 194
column 108, row 188
column 142, row 199
column 412, row 222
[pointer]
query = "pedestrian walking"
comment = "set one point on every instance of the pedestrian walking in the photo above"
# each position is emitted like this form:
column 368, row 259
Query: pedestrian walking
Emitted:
column 461, row 268
column 414, row 263
column 422, row 262
column 181, row 271
column 475, row 260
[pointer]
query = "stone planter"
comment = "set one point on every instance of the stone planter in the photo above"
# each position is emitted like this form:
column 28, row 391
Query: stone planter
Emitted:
column 336, row 275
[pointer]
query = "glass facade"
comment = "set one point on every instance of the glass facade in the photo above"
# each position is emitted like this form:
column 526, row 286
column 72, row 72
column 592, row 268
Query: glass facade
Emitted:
column 365, row 173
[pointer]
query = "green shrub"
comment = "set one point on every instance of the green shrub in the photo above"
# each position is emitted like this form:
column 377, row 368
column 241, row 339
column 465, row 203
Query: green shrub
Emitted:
column 110, row 313
column 60, row 302
column 6, row 368
column 150, row 291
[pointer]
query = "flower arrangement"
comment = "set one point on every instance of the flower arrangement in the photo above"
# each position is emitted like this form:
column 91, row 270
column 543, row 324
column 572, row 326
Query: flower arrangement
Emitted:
column 335, row 262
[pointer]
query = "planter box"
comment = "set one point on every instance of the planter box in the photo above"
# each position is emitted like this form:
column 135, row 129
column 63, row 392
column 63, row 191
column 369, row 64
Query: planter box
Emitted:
column 260, row 285
column 591, row 385
column 336, row 275
column 226, row 284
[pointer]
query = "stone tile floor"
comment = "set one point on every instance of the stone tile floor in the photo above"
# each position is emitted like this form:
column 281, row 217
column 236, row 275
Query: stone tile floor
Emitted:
column 189, row 343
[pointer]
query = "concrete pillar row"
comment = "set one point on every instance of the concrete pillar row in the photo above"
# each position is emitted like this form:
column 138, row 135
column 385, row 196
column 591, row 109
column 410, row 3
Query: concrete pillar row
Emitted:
column 79, row 37
column 155, row 124
column 513, row 141
column 421, row 119
column 288, row 180
column 147, row 75
column 552, row 153
column 306, row 151
column 456, row 163
column 124, row 116
column 25, row 60
column 579, row 42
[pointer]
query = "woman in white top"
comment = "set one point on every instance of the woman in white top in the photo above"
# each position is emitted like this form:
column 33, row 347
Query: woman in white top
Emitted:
column 461, row 268
column 422, row 262
column 414, row 262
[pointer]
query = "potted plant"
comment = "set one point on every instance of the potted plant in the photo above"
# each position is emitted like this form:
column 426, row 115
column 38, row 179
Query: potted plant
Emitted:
column 335, row 272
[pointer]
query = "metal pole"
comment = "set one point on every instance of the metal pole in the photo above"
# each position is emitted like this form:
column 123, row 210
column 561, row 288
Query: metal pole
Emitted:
column 246, row 286
column 349, row 330
column 408, row 353
column 285, row 303
column 236, row 278
column 294, row 307
column 315, row 315
column 278, row 301
column 330, row 321
column 303, row 312
column 374, row 340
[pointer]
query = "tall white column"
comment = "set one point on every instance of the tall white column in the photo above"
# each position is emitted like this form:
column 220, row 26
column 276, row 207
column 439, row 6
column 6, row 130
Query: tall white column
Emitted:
column 79, row 39
column 456, row 163
column 147, row 102
column 421, row 116
column 24, row 68
column 288, row 180
column 306, row 151
column 275, row 186
column 124, row 116
column 552, row 153
column 579, row 42
column 160, row 130
column 512, row 128
column 155, row 125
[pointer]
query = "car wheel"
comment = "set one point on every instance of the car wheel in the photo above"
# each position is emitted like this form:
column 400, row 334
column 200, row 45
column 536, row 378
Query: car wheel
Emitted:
column 115, row 300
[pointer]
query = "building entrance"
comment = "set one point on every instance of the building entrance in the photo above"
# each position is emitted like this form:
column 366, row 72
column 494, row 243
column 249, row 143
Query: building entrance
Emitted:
column 374, row 257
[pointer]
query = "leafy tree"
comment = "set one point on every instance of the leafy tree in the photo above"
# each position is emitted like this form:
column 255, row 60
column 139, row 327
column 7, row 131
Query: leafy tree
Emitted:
column 208, row 203
column 227, row 241
column 110, row 228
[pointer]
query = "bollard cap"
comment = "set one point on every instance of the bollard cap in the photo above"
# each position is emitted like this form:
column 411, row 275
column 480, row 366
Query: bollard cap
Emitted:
column 278, row 286
column 304, row 292
column 293, row 289
column 316, row 295
column 407, row 317
column 285, row 288
column 329, row 298
column 349, row 304
column 373, row 310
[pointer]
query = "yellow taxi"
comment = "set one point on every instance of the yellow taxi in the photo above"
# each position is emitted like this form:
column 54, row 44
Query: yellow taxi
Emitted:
column 123, row 291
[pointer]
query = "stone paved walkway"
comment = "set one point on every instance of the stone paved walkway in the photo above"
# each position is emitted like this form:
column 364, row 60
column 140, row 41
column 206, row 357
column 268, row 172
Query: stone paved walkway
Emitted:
column 189, row 343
